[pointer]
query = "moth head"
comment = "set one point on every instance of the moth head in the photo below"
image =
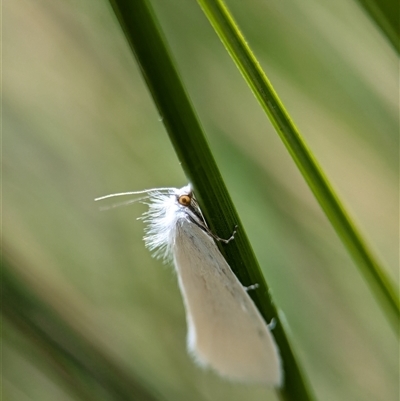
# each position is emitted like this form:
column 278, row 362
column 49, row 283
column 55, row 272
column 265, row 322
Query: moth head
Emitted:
column 185, row 196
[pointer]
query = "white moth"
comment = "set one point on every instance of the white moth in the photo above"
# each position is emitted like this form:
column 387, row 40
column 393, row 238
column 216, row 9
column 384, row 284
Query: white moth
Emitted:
column 225, row 329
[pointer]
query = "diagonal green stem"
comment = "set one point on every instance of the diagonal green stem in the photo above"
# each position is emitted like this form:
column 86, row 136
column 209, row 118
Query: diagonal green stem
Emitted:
column 147, row 42
column 229, row 33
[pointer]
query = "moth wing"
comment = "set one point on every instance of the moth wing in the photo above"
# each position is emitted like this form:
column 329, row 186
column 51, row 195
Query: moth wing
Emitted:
column 225, row 329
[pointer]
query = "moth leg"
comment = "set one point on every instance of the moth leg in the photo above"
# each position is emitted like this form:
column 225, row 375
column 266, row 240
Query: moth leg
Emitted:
column 226, row 241
column 203, row 226
column 272, row 324
column 251, row 287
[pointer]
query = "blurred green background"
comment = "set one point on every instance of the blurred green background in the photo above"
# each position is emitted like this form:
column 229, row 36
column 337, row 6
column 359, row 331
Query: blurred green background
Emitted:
column 78, row 122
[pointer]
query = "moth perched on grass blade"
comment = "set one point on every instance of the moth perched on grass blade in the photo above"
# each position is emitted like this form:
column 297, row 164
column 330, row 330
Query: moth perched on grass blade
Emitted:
column 226, row 332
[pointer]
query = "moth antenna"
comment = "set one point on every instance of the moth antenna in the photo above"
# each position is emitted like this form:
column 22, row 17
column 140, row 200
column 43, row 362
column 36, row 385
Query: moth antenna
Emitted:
column 144, row 191
column 126, row 203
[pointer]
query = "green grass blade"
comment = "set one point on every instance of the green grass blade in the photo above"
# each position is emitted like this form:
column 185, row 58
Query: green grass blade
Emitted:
column 147, row 42
column 87, row 369
column 229, row 33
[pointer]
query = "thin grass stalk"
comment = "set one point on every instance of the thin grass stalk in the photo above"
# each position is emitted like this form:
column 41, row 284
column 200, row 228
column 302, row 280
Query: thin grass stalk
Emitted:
column 374, row 274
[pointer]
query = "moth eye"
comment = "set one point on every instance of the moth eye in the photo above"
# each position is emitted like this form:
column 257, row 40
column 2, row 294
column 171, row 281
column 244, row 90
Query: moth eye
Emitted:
column 184, row 200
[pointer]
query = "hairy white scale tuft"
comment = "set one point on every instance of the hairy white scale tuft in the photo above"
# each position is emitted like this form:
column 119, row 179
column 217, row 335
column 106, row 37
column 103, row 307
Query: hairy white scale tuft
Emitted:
column 225, row 329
